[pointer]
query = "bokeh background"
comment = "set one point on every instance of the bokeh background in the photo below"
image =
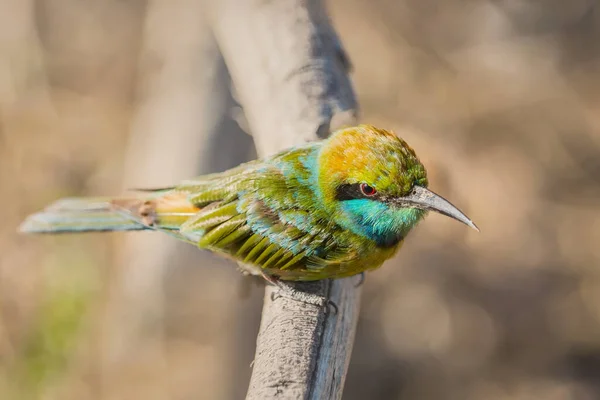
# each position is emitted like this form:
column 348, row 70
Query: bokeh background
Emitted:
column 501, row 100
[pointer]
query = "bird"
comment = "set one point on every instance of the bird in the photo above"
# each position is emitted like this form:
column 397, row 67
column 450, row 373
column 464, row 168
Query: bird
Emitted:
column 326, row 209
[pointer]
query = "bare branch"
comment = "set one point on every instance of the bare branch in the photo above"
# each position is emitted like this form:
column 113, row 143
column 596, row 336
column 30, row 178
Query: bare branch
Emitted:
column 291, row 76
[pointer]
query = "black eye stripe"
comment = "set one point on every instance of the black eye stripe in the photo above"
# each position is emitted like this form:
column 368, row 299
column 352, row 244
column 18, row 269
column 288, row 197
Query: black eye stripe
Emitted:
column 350, row 191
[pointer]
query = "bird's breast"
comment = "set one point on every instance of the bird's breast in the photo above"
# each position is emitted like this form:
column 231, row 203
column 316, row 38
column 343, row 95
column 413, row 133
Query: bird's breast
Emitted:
column 388, row 240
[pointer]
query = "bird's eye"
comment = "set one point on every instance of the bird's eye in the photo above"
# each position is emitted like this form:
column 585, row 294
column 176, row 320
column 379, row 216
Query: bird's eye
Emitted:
column 367, row 190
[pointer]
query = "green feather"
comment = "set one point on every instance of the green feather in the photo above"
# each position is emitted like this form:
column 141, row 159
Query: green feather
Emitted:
column 284, row 214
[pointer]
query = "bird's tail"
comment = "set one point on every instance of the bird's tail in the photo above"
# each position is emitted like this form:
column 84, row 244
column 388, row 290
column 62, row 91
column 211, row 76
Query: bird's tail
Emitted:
column 81, row 215
column 158, row 209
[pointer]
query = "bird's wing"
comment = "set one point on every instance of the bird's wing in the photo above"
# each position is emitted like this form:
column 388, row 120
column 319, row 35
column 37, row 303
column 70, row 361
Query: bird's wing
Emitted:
column 263, row 215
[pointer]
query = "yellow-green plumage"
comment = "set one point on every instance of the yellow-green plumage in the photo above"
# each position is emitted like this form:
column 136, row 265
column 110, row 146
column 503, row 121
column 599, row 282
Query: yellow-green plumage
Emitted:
column 304, row 214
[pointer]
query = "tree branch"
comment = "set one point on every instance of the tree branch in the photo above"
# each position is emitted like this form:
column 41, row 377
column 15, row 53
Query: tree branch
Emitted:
column 291, row 77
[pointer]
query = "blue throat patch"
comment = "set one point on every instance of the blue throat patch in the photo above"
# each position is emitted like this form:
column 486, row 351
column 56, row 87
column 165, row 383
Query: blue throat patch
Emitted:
column 384, row 224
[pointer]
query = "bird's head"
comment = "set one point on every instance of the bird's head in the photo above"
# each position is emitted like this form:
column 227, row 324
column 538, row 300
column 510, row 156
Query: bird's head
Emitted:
column 373, row 184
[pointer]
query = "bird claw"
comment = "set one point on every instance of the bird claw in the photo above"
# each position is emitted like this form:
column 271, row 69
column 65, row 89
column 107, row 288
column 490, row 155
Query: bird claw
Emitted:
column 274, row 296
column 331, row 304
column 361, row 280
column 307, row 298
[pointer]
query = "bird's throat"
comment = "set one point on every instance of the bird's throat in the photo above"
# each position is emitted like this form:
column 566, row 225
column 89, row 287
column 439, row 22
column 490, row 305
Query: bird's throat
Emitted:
column 384, row 224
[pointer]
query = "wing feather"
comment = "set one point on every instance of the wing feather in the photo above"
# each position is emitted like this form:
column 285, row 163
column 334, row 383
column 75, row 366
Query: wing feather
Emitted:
column 264, row 214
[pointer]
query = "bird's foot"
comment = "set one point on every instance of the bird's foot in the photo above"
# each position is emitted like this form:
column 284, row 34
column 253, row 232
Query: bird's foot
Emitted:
column 361, row 280
column 289, row 291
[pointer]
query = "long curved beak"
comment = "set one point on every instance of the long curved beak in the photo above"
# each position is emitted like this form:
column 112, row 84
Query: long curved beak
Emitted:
column 425, row 199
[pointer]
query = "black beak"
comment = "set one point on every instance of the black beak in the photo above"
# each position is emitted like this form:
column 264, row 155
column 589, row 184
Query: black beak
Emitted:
column 425, row 199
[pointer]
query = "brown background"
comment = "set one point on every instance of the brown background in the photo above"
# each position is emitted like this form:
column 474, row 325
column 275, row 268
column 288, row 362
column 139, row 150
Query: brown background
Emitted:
column 501, row 100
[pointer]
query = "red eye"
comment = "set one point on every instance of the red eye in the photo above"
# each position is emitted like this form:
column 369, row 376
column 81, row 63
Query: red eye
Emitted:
column 367, row 190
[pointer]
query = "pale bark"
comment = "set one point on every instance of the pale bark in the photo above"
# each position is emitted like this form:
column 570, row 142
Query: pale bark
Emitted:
column 291, row 77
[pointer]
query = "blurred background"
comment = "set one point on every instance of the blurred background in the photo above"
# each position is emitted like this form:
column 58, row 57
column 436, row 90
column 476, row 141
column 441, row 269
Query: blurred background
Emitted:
column 500, row 99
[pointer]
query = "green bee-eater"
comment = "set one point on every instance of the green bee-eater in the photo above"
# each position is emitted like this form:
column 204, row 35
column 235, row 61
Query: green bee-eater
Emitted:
column 327, row 209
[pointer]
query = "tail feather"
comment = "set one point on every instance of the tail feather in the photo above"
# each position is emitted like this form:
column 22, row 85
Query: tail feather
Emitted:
column 80, row 215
